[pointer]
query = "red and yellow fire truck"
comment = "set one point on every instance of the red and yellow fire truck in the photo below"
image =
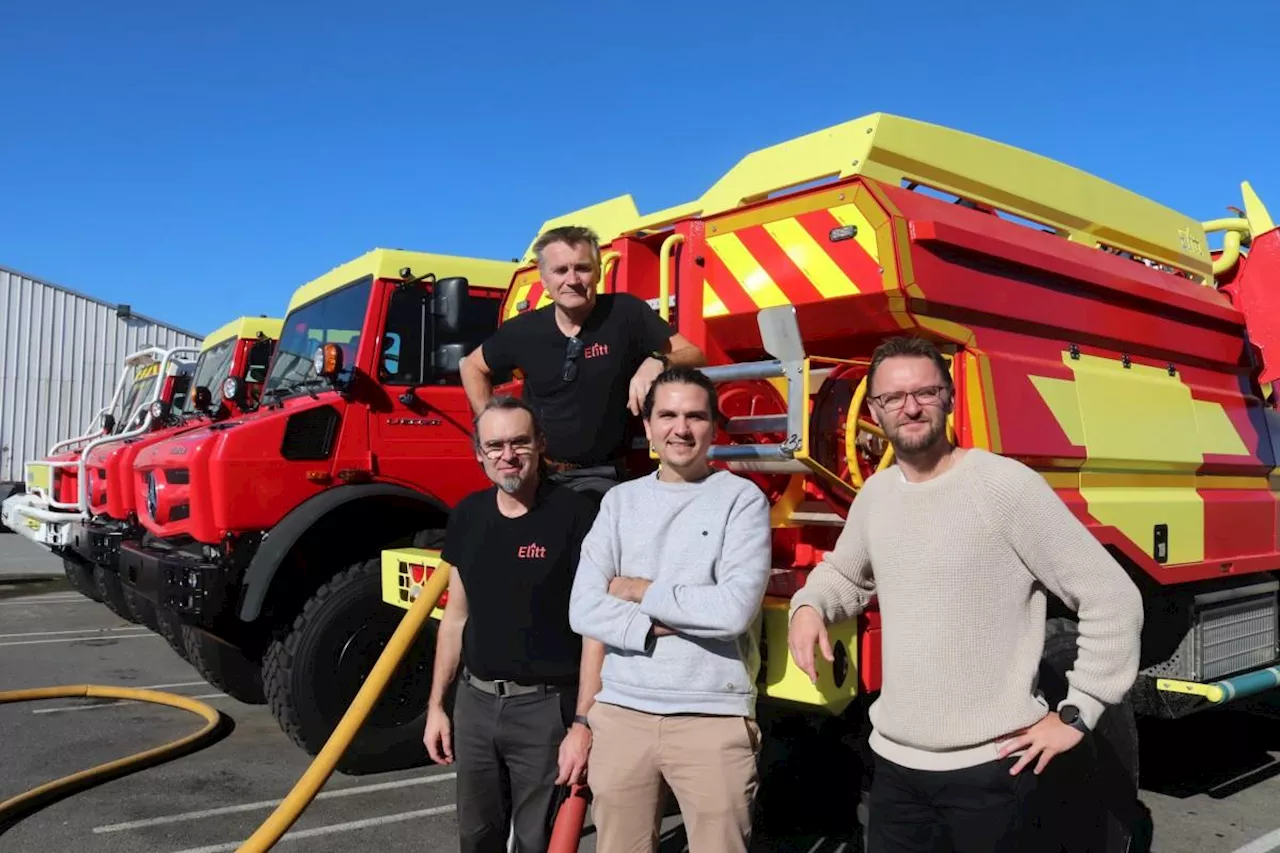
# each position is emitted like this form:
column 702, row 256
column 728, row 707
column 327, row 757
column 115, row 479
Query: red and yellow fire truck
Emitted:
column 1092, row 334
column 226, row 382
column 258, row 536
column 55, row 486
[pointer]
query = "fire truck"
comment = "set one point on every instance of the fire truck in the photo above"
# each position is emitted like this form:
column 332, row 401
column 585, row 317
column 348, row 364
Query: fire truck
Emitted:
column 226, row 381
column 54, row 486
column 1092, row 334
column 259, row 536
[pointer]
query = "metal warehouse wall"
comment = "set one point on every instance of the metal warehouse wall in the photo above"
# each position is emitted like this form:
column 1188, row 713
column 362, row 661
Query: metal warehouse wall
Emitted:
column 60, row 357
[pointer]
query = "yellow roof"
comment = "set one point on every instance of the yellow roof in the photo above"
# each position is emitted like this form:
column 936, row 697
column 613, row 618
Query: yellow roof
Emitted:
column 387, row 263
column 244, row 327
column 894, row 150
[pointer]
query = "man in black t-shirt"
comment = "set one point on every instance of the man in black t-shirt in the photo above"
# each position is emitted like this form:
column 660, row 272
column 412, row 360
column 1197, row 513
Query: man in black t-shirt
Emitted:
column 527, row 679
column 588, row 360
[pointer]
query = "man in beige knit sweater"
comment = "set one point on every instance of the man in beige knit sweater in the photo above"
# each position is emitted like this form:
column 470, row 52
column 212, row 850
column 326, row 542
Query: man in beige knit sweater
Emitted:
column 959, row 546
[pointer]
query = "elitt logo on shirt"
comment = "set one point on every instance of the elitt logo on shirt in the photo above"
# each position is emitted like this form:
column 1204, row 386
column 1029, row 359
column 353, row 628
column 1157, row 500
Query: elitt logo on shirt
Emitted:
column 595, row 351
column 531, row 552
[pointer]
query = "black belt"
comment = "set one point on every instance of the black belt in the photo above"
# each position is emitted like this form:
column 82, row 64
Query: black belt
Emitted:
column 503, row 687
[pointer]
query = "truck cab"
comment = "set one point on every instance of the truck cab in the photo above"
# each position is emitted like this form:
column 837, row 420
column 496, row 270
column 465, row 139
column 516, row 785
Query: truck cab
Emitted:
column 261, row 533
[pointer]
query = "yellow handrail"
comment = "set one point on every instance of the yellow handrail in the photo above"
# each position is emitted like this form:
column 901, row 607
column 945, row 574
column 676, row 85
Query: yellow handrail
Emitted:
column 605, row 260
column 664, row 274
column 1236, row 229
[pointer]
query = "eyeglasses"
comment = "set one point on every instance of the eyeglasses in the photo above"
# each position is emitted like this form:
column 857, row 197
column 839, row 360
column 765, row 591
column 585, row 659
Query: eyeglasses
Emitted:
column 895, row 400
column 520, row 446
column 571, row 353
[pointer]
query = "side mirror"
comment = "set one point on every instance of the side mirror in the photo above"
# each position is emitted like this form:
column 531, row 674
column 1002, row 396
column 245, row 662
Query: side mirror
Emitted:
column 448, row 358
column 448, row 301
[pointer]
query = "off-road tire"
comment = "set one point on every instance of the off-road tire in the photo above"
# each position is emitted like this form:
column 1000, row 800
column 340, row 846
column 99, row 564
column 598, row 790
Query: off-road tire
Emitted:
column 81, row 578
column 224, row 666
column 1091, row 796
column 170, row 627
column 112, row 594
column 315, row 670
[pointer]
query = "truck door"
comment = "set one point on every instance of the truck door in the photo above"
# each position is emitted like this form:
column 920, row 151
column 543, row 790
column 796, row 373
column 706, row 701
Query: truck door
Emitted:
column 421, row 426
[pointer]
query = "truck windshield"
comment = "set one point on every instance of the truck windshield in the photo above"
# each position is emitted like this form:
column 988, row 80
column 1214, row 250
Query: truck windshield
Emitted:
column 213, row 366
column 144, row 382
column 337, row 318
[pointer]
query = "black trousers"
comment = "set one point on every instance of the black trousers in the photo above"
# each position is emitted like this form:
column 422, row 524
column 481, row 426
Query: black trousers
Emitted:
column 972, row 810
column 507, row 753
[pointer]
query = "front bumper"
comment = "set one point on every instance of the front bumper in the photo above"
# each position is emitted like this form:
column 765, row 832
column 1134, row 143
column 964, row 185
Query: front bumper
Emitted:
column 194, row 589
column 96, row 543
column 29, row 517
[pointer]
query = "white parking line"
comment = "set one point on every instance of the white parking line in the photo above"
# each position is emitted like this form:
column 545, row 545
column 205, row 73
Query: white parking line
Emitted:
column 266, row 804
column 83, row 639
column 162, row 686
column 1265, row 844
column 95, row 707
column 28, row 601
column 76, row 631
column 349, row 826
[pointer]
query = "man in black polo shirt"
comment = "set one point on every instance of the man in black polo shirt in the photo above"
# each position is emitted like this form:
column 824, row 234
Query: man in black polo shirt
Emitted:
column 588, row 360
column 527, row 679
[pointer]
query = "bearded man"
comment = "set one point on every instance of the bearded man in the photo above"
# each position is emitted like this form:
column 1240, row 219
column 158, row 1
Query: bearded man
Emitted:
column 528, row 680
column 959, row 547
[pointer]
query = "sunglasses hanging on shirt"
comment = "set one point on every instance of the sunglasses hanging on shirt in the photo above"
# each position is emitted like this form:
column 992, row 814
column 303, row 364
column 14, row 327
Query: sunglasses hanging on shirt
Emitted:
column 573, row 350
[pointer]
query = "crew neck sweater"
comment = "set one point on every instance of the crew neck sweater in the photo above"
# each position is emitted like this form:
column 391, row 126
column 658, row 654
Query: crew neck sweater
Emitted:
column 959, row 565
column 705, row 547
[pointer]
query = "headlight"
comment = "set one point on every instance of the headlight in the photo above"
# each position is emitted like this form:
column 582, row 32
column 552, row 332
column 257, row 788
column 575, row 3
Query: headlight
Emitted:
column 317, row 361
column 152, row 496
column 230, row 388
column 158, row 409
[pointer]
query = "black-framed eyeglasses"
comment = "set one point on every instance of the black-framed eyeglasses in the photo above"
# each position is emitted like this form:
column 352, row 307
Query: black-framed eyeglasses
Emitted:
column 572, row 351
column 895, row 400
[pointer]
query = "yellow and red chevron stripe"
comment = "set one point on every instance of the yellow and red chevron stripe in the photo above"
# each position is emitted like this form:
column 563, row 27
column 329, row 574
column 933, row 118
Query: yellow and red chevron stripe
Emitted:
column 789, row 260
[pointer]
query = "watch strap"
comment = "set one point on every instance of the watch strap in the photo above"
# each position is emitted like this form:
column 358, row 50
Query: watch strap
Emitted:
column 582, row 720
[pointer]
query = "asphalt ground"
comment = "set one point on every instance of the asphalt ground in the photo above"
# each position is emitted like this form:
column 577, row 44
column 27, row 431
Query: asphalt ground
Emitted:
column 1211, row 782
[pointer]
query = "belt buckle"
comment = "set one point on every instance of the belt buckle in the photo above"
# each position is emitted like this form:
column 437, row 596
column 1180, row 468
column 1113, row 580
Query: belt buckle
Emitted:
column 500, row 687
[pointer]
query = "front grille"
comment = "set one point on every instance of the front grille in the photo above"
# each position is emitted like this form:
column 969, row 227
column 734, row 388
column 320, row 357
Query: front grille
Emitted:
column 1230, row 631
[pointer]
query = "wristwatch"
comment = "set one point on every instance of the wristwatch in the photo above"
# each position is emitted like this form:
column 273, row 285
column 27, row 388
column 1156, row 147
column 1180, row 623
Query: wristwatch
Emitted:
column 1070, row 715
column 579, row 718
column 662, row 357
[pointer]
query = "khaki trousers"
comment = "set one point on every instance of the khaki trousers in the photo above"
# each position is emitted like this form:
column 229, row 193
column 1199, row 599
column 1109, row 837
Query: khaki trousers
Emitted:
column 710, row 763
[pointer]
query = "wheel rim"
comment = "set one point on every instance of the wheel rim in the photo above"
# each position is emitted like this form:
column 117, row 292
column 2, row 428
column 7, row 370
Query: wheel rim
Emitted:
column 355, row 651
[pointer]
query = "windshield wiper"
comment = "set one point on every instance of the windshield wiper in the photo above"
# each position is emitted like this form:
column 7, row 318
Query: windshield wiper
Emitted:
column 290, row 388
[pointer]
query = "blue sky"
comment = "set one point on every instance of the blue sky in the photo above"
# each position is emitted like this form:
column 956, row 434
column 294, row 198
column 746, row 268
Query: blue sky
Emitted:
column 201, row 161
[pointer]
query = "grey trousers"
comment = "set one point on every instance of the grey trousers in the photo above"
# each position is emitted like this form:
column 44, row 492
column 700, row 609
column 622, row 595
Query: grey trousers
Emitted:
column 507, row 753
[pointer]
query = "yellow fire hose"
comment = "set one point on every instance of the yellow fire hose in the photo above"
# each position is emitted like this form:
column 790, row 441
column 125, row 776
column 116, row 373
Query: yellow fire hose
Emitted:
column 18, row 807
column 307, row 786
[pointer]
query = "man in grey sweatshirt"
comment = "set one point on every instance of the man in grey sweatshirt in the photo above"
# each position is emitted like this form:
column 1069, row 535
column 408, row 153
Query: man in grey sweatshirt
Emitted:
column 670, row 580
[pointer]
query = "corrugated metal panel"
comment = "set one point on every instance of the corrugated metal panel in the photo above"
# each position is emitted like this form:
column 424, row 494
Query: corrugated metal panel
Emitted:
column 60, row 357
